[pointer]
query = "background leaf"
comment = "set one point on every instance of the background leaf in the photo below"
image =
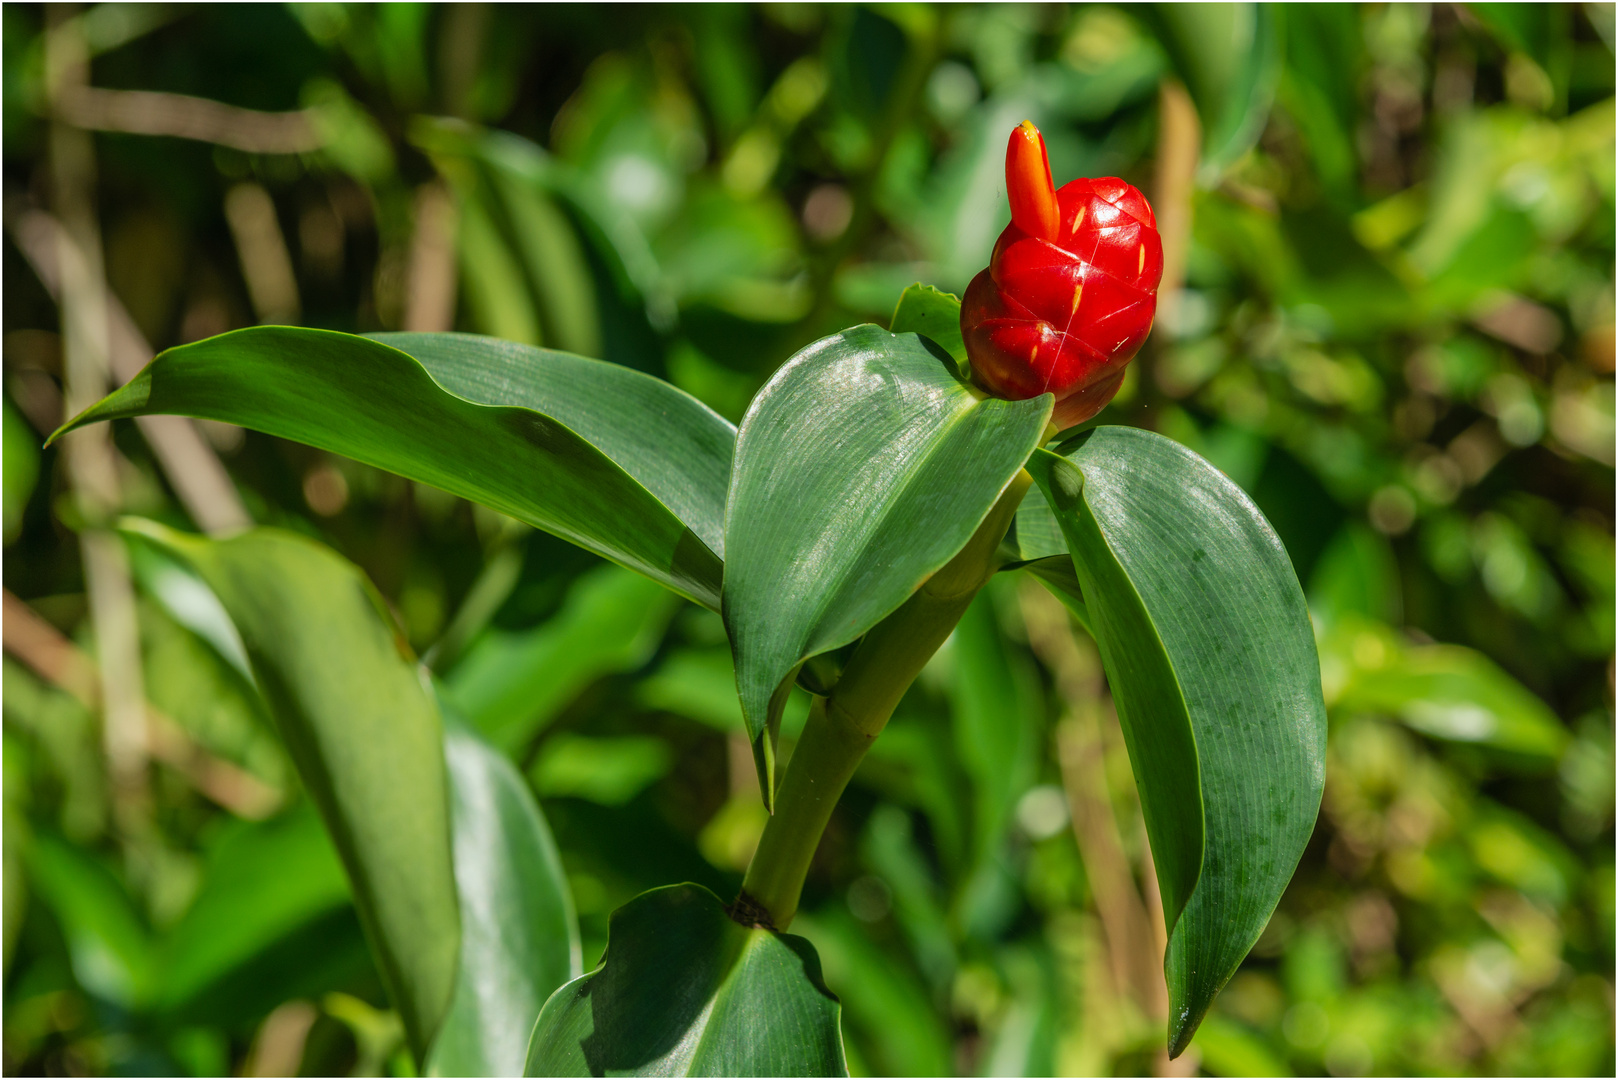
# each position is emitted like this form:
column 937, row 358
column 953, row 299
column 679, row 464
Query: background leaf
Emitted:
column 510, row 684
column 660, row 453
column 1229, row 56
column 685, row 991
column 365, row 736
column 264, row 881
column 861, row 469
column 1208, row 647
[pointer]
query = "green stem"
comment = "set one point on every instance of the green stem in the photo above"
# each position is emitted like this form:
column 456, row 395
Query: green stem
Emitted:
column 842, row 727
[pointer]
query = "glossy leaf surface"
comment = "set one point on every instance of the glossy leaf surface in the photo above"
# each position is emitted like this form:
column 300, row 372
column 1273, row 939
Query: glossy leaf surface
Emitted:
column 616, row 461
column 1207, row 645
column 519, row 937
column 684, row 991
column 861, row 468
column 364, row 734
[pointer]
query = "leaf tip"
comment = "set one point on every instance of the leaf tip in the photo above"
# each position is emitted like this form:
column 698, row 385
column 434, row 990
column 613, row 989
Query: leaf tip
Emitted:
column 764, row 762
column 1182, row 1027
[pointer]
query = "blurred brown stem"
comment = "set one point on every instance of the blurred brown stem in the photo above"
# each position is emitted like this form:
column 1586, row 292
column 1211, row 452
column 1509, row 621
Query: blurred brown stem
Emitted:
column 1081, row 752
column 187, row 459
column 1131, row 916
column 262, row 249
column 88, row 454
column 61, row 663
column 1179, row 142
column 430, row 303
column 144, row 112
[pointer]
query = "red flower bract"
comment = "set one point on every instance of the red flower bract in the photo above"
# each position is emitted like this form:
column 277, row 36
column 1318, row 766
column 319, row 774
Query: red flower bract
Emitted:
column 1070, row 291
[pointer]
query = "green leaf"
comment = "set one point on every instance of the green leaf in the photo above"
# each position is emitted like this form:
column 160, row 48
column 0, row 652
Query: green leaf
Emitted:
column 1207, row 645
column 263, row 882
column 519, row 938
column 1230, row 58
column 1445, row 691
column 889, row 1013
column 685, row 991
column 364, row 734
column 999, row 722
column 511, row 684
column 861, row 468
column 616, row 461
column 933, row 314
column 609, row 770
column 107, row 943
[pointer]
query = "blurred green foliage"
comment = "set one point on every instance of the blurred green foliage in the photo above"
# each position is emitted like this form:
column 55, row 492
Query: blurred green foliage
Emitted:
column 1395, row 331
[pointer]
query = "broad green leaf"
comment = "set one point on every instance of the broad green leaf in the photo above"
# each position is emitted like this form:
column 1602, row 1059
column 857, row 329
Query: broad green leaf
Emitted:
column 519, row 938
column 1035, row 543
column 364, row 734
column 861, row 468
column 1446, row 691
column 615, row 461
column 510, row 684
column 933, row 314
column 1208, row 649
column 1035, row 540
column 684, row 991
column 262, row 882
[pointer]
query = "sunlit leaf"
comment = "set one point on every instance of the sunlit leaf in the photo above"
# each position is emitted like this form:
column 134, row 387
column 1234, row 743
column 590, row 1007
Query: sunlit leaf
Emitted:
column 933, row 314
column 364, row 734
column 613, row 460
column 1208, row 649
column 861, row 468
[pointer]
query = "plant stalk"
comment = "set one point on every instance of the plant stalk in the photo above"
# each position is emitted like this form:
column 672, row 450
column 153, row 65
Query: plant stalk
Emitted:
column 842, row 727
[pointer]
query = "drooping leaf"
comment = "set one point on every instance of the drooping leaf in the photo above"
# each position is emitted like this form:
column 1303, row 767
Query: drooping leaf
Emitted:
column 685, row 991
column 861, row 468
column 519, row 937
column 614, row 460
column 364, row 734
column 1207, row 645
